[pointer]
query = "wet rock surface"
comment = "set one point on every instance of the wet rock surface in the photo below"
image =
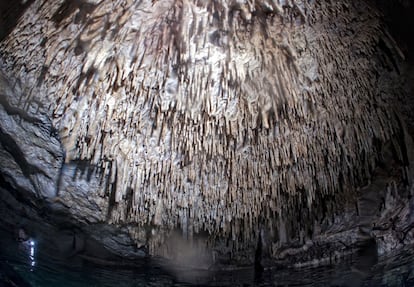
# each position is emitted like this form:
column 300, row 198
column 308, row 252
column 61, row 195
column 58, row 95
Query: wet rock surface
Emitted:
column 362, row 269
column 32, row 154
column 216, row 136
column 50, row 198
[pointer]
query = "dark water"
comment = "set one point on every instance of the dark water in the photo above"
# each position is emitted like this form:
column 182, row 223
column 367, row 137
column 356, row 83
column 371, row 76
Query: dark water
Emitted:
column 26, row 264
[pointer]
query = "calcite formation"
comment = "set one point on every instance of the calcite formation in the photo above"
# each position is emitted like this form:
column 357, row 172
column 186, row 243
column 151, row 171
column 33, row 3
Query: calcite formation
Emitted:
column 232, row 119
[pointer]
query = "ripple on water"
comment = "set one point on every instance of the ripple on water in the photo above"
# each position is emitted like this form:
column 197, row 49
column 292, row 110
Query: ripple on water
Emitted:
column 35, row 264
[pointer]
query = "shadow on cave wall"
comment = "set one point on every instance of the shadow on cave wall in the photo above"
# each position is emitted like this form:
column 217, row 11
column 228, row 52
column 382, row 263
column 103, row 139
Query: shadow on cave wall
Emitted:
column 10, row 12
column 398, row 16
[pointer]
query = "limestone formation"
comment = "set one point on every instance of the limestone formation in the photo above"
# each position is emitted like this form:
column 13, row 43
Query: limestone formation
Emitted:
column 227, row 120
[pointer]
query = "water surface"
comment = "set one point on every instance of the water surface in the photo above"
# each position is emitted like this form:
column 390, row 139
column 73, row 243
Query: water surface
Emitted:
column 33, row 264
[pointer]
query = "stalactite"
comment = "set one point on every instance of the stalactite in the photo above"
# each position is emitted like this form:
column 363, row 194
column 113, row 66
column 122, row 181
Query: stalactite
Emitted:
column 214, row 114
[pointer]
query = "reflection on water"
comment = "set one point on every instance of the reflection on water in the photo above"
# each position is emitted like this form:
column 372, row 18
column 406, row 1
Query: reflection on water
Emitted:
column 31, row 263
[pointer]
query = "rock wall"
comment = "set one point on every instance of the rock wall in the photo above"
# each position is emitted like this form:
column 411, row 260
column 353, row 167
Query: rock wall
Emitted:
column 234, row 122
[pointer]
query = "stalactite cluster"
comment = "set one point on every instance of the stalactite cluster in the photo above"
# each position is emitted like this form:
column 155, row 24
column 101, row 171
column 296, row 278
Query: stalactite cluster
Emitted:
column 211, row 116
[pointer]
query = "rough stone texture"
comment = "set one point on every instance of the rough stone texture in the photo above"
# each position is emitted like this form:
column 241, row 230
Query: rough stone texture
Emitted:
column 239, row 123
column 34, row 173
column 31, row 152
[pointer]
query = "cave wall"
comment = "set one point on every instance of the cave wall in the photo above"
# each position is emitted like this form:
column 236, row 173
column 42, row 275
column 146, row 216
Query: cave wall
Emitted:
column 228, row 121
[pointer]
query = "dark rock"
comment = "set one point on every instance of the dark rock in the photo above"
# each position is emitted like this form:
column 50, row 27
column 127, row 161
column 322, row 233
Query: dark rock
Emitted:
column 274, row 141
column 10, row 278
column 31, row 152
